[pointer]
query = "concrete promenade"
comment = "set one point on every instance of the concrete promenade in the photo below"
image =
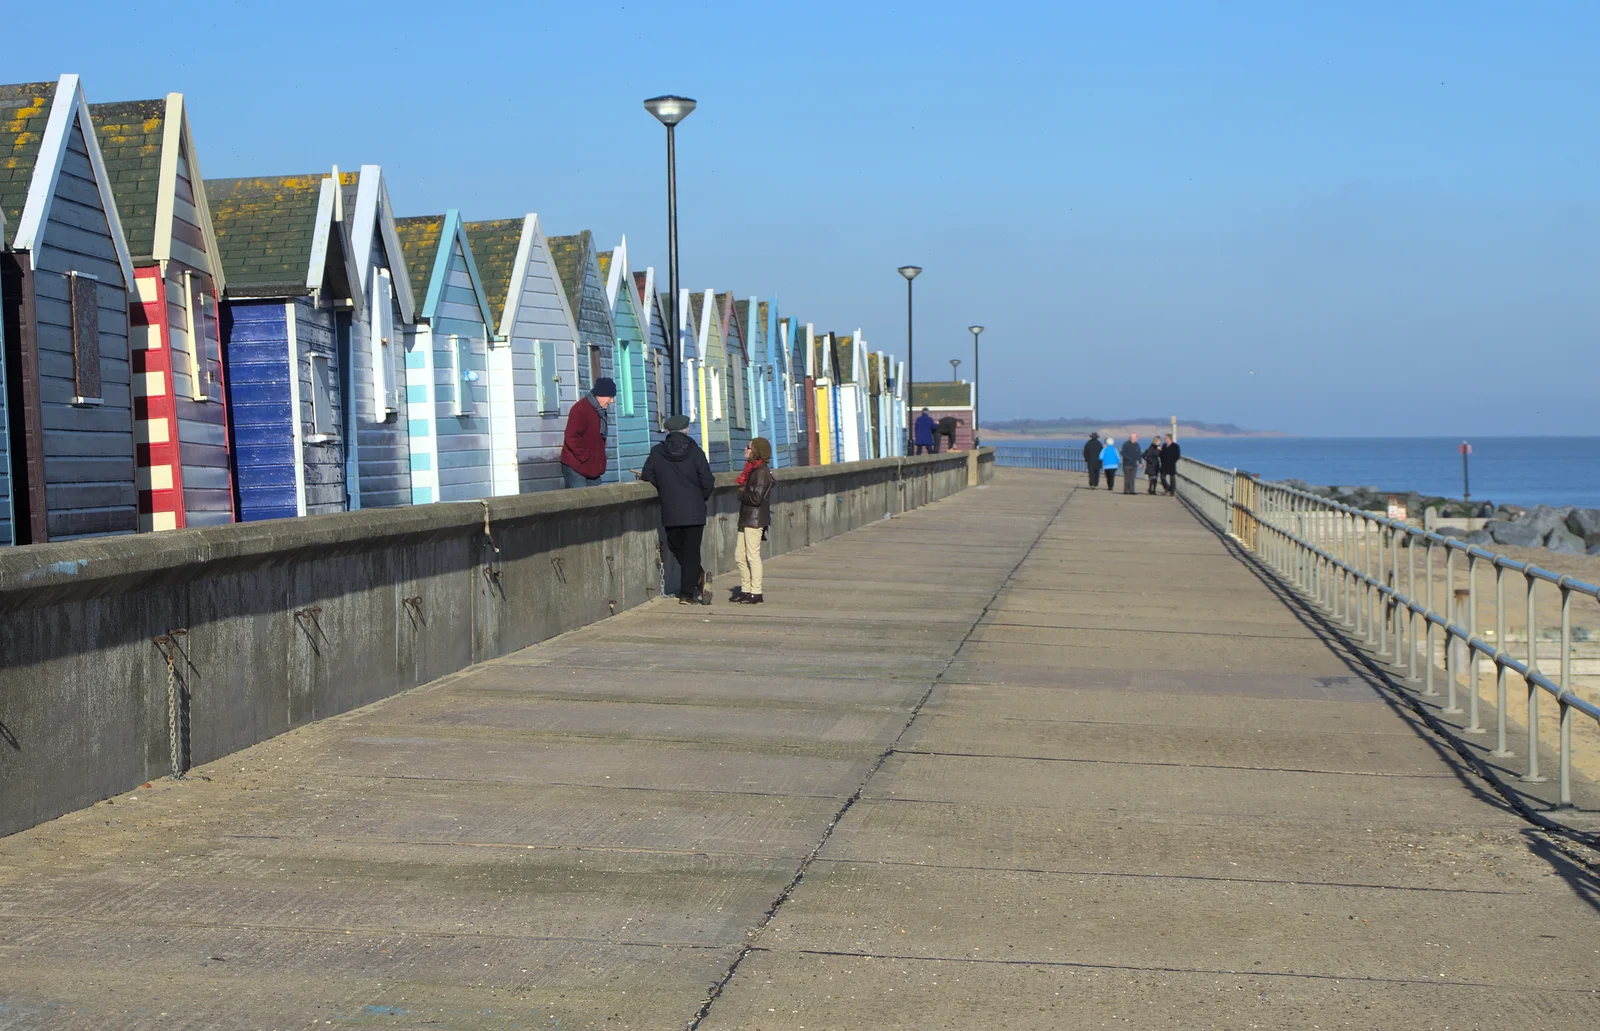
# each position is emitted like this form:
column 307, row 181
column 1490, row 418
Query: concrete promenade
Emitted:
column 1032, row 757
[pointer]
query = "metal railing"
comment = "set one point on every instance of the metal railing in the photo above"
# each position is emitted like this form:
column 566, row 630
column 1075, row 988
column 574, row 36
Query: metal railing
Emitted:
column 1018, row 456
column 1349, row 563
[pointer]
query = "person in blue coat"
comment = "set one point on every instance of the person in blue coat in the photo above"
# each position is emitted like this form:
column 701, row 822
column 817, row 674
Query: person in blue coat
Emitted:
column 1109, row 461
column 923, row 441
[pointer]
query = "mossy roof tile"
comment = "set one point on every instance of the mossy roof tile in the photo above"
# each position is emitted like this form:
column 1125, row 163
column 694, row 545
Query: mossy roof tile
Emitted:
column 130, row 134
column 941, row 395
column 494, row 249
column 24, row 110
column 265, row 226
column 571, row 253
column 419, row 244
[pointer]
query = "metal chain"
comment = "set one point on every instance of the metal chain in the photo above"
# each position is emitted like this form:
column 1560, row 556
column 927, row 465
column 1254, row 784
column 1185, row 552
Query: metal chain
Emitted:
column 174, row 745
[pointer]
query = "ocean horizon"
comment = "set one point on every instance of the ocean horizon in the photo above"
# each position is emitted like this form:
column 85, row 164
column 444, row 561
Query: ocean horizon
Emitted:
column 1556, row 471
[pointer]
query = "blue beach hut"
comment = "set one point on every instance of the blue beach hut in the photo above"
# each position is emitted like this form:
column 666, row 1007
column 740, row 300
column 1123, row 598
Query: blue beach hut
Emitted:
column 578, row 267
column 65, row 277
column 631, row 445
column 535, row 340
column 292, row 301
column 659, row 362
column 448, row 382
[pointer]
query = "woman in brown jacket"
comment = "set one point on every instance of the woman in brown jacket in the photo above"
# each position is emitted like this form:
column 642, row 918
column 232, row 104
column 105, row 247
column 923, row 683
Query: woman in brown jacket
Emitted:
column 755, row 515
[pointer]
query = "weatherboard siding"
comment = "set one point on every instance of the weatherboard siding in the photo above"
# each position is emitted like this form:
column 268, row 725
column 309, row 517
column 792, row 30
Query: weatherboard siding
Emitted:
column 324, row 470
column 7, row 535
column 202, row 425
column 540, row 316
column 383, row 452
column 465, row 447
column 595, row 331
column 632, row 429
column 256, row 341
column 89, row 472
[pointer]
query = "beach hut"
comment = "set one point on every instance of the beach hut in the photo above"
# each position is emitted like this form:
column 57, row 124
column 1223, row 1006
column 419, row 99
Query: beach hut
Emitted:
column 536, row 340
column 822, row 370
column 735, row 380
column 712, row 357
column 454, row 456
column 66, row 276
column 578, row 269
column 293, row 296
column 175, row 329
column 854, row 422
column 378, row 446
column 797, row 404
column 947, row 398
column 631, row 423
column 5, row 426
column 659, row 354
column 752, row 316
column 690, row 374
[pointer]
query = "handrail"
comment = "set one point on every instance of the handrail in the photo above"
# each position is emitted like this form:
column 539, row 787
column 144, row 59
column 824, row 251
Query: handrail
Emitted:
column 1347, row 561
column 1027, row 456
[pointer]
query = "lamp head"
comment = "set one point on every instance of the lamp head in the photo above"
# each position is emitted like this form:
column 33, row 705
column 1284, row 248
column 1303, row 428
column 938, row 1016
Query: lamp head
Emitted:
column 669, row 110
column 910, row 271
column 975, row 330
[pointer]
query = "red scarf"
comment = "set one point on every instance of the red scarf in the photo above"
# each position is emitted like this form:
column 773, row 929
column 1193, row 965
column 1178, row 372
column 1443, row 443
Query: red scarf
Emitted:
column 749, row 464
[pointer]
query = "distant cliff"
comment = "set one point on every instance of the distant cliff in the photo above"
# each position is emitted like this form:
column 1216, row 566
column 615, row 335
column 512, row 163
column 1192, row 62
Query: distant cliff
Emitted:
column 1025, row 429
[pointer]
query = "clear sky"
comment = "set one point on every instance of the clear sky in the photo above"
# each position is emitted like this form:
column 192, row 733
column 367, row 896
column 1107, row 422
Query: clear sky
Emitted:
column 1335, row 218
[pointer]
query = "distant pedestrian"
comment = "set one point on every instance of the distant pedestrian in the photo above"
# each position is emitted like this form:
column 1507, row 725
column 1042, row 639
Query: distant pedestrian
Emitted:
column 1130, row 462
column 1109, row 462
column 755, row 515
column 1091, row 458
column 678, row 470
column 583, row 447
column 923, row 441
column 1152, row 465
column 947, row 430
column 1169, row 465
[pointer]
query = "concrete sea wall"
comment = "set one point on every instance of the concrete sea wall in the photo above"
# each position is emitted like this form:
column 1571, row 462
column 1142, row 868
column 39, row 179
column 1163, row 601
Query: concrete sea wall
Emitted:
column 275, row 624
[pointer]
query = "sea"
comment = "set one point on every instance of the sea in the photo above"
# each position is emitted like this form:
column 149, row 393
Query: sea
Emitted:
column 1526, row 471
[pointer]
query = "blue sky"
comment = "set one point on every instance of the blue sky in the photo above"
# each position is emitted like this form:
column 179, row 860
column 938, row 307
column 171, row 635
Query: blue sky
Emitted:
column 1352, row 218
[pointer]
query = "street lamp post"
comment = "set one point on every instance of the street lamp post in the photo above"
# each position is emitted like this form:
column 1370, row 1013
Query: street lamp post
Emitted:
column 955, row 370
column 976, row 332
column 669, row 111
column 910, row 272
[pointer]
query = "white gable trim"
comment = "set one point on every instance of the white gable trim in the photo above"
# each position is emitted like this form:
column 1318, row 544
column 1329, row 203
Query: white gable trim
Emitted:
column 317, row 267
column 519, row 275
column 52, row 152
column 375, row 215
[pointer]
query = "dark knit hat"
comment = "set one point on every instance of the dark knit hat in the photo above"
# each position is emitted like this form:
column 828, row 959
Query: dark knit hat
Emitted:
column 677, row 423
column 605, row 386
column 761, row 447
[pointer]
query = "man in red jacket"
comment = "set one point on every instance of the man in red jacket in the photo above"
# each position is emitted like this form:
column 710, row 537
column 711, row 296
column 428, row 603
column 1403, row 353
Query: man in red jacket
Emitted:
column 583, row 449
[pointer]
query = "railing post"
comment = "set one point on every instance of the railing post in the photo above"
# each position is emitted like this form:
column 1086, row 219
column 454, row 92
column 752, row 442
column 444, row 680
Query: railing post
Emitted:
column 1473, row 726
column 1500, row 749
column 1532, row 776
column 1430, row 612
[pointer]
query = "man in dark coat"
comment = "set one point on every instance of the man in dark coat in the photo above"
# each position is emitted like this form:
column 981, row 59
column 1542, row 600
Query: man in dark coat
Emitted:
column 682, row 477
column 583, row 447
column 947, row 430
column 1091, row 458
column 1130, row 462
column 1152, row 465
column 1169, row 465
column 922, row 439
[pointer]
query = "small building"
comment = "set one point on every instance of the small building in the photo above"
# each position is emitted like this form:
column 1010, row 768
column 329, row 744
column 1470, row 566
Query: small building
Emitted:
column 632, row 419
column 293, row 297
column 378, row 448
column 713, row 370
column 758, row 379
column 853, row 399
column 690, row 372
column 802, row 428
column 735, row 380
column 65, row 278
column 822, row 360
column 660, row 354
column 179, row 390
column 578, row 269
column 454, row 456
column 943, row 399
column 535, row 340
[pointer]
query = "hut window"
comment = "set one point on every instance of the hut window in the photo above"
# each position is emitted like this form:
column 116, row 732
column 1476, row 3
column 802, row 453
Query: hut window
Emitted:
column 625, row 377
column 658, row 370
column 716, row 394
column 322, row 392
column 385, row 353
column 595, row 367
column 736, row 374
column 691, row 389
column 463, row 374
column 549, row 378
column 205, row 339
column 85, row 338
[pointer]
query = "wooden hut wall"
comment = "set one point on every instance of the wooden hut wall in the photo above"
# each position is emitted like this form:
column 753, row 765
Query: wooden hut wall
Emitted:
column 735, row 383
column 690, row 375
column 659, row 367
column 71, row 394
column 5, row 424
column 375, row 389
column 713, row 376
column 459, row 340
column 544, row 318
column 631, row 424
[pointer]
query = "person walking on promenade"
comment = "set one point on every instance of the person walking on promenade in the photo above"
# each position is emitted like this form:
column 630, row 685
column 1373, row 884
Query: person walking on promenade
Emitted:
column 947, row 429
column 1152, row 465
column 1169, row 465
column 922, row 441
column 1130, row 462
column 583, row 447
column 1109, row 462
column 1091, row 458
column 755, row 515
column 678, row 470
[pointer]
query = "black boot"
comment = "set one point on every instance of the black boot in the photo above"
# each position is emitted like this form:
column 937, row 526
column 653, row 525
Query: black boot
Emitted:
column 737, row 594
column 751, row 599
